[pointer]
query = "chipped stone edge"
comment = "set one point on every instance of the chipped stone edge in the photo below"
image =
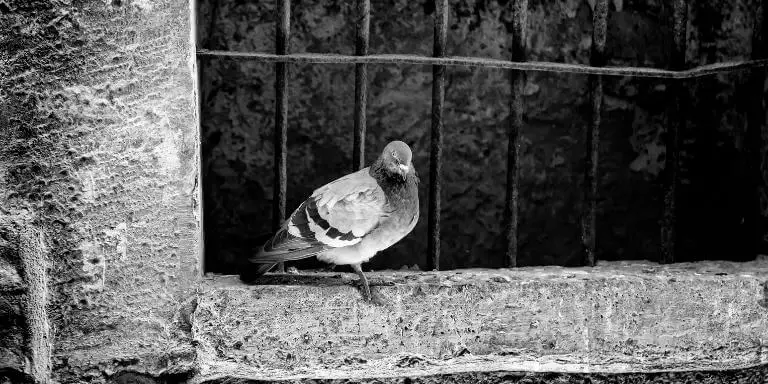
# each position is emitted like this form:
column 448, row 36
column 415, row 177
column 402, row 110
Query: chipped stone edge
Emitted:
column 197, row 193
column 231, row 373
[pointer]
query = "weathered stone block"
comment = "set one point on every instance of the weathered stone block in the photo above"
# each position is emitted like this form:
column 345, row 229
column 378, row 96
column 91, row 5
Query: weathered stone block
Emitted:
column 617, row 317
column 98, row 135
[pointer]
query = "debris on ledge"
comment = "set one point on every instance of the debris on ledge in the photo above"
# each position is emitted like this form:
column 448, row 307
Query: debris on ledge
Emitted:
column 614, row 319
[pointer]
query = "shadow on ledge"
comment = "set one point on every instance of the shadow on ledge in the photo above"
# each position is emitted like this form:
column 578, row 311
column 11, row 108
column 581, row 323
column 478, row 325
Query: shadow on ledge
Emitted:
column 321, row 279
column 297, row 279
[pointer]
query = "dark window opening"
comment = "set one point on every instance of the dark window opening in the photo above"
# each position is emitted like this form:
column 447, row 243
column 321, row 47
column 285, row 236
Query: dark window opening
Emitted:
column 719, row 200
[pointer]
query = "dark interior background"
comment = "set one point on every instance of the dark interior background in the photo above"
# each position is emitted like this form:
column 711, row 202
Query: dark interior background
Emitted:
column 238, row 121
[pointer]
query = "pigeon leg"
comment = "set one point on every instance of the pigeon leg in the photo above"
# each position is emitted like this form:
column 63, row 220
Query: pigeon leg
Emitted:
column 357, row 268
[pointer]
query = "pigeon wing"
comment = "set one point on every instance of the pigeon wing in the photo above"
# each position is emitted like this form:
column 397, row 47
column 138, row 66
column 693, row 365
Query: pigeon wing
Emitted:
column 338, row 214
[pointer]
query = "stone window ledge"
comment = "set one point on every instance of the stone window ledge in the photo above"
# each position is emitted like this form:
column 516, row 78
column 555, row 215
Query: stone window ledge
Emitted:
column 619, row 318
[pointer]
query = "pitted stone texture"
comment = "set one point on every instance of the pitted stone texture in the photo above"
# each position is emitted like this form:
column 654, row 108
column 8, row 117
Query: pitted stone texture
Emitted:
column 98, row 133
column 617, row 317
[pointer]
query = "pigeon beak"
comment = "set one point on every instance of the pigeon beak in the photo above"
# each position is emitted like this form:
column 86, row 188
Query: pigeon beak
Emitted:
column 403, row 170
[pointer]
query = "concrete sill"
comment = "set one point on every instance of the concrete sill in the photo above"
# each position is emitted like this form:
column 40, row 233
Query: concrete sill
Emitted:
column 616, row 320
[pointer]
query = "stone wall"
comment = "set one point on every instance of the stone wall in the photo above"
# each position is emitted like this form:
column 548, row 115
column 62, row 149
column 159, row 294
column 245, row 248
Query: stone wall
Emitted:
column 707, row 321
column 98, row 156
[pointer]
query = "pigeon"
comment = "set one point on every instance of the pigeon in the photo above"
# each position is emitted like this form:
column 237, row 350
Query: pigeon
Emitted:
column 349, row 220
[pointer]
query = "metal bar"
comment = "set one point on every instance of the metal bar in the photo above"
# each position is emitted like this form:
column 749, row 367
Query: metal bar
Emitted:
column 676, row 124
column 436, row 135
column 753, row 142
column 361, row 83
column 283, row 30
column 517, row 80
column 535, row 66
column 597, row 59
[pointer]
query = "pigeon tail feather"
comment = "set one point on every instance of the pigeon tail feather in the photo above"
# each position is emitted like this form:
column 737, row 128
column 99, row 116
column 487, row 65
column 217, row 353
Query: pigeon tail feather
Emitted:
column 255, row 270
column 286, row 247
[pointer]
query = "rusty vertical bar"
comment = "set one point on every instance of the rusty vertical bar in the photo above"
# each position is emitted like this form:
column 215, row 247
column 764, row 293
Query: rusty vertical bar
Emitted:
column 282, row 38
column 517, row 80
column 597, row 59
column 676, row 117
column 436, row 135
column 361, row 83
column 753, row 142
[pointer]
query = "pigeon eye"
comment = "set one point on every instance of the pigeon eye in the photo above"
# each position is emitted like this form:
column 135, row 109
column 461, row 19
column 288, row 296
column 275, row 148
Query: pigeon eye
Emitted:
column 394, row 154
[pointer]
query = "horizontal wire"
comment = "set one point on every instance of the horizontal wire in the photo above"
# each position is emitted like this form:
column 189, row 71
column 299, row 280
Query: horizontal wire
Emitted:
column 538, row 66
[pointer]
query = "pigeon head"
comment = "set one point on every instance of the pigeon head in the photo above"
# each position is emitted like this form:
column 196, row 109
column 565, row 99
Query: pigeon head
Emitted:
column 396, row 159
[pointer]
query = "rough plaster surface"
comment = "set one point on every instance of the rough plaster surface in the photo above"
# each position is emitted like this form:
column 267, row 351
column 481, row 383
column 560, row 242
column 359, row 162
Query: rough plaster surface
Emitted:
column 617, row 317
column 97, row 149
column 136, row 255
